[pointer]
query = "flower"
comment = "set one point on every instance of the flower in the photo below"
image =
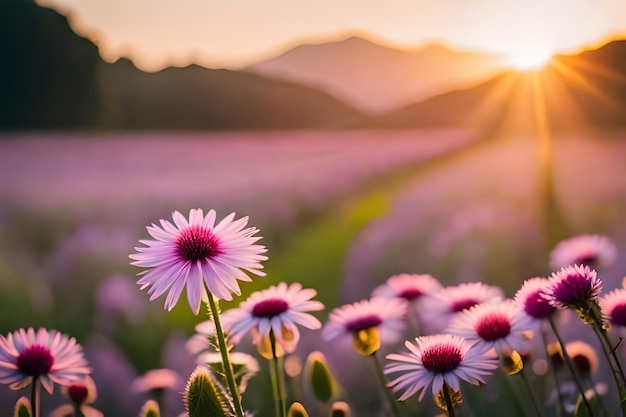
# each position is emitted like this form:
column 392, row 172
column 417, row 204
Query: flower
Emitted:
column 46, row 355
column 278, row 308
column 583, row 356
column 441, row 307
column 81, row 394
column 411, row 287
column 156, row 379
column 613, row 306
column 502, row 325
column 382, row 315
column 595, row 251
column 530, row 297
column 573, row 286
column 197, row 254
column 436, row 359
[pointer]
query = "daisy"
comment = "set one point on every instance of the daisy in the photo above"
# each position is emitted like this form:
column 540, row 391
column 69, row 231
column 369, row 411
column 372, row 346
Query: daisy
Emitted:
column 45, row 355
column 198, row 254
column 595, row 251
column 279, row 309
column 530, row 298
column 411, row 287
column 573, row 286
column 502, row 325
column 440, row 308
column 613, row 306
column 437, row 359
column 384, row 315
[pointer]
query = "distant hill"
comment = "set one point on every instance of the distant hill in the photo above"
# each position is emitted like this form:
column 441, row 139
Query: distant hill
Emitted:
column 376, row 78
column 50, row 78
column 584, row 91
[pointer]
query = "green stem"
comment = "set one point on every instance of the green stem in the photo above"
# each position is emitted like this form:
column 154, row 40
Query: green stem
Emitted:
column 559, row 407
column 611, row 358
column 35, row 397
column 570, row 365
column 226, row 363
column 448, row 399
column 277, row 380
column 530, row 394
column 383, row 382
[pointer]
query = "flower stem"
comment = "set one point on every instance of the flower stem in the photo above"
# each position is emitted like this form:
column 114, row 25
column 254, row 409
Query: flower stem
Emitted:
column 530, row 393
column 277, row 380
column 571, row 367
column 448, row 399
column 383, row 382
column 559, row 407
column 226, row 363
column 612, row 359
column 35, row 397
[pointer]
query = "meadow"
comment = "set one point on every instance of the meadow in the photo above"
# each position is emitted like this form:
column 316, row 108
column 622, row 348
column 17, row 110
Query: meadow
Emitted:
column 339, row 211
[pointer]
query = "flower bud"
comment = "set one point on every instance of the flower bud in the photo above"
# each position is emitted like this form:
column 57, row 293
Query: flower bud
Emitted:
column 22, row 408
column 297, row 410
column 321, row 379
column 205, row 396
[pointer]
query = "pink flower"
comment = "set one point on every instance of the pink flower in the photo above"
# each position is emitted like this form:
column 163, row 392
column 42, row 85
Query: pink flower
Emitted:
column 46, row 355
column 574, row 287
column 530, row 297
column 197, row 254
column 440, row 308
column 437, row 359
column 410, row 287
column 594, row 251
column 613, row 306
column 502, row 325
column 279, row 308
column 385, row 314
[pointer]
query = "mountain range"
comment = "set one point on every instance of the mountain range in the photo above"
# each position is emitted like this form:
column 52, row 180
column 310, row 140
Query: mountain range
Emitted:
column 52, row 78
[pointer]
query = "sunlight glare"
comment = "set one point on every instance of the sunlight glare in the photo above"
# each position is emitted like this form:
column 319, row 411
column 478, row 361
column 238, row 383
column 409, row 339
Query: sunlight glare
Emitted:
column 529, row 59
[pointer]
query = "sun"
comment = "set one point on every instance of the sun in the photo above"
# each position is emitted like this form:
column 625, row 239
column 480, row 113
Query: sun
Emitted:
column 529, row 58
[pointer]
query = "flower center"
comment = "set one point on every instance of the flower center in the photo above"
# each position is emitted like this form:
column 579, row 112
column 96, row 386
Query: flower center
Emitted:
column 463, row 304
column 35, row 360
column 618, row 315
column 575, row 288
column 589, row 260
column 197, row 243
column 411, row 293
column 78, row 393
column 493, row 327
column 442, row 358
column 536, row 306
column 363, row 323
column 270, row 308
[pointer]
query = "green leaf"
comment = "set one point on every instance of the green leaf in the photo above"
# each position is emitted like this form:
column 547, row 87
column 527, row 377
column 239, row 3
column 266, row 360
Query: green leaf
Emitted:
column 22, row 408
column 205, row 396
column 581, row 408
column 297, row 410
column 321, row 379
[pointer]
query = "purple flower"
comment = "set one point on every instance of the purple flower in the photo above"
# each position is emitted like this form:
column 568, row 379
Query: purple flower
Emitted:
column 613, row 306
column 198, row 254
column 437, row 359
column 594, row 251
column 530, row 297
column 573, row 286
column 46, row 355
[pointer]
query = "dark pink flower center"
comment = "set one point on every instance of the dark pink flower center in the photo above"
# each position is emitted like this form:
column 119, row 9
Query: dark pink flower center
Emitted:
column 442, row 358
column 78, row 393
column 537, row 306
column 411, row 293
column 589, row 260
column 197, row 243
column 463, row 304
column 35, row 360
column 618, row 315
column 573, row 289
column 363, row 323
column 270, row 308
column 493, row 326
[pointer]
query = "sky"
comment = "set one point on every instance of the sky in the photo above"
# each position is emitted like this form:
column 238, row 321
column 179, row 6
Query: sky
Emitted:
column 235, row 33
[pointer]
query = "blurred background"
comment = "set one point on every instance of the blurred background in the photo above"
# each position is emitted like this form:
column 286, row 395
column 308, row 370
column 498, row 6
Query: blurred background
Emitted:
column 363, row 139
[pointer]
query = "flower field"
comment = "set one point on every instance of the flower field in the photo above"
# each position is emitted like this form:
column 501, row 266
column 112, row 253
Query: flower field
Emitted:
column 339, row 212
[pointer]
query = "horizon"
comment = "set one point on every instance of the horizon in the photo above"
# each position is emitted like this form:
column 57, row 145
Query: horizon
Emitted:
column 157, row 35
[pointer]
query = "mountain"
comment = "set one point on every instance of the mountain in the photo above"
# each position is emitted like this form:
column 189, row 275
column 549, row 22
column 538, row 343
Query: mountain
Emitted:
column 50, row 78
column 375, row 78
column 583, row 91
